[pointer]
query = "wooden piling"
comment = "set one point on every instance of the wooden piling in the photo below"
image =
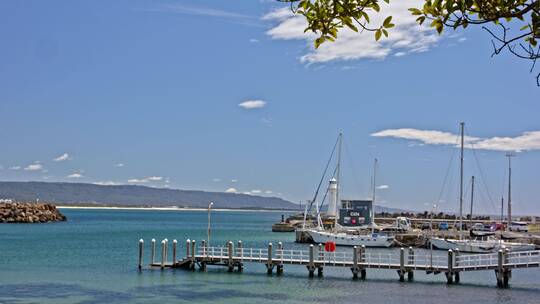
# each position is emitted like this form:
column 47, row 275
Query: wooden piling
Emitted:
column 455, row 264
column 279, row 256
column 141, row 247
column 355, row 268
column 188, row 245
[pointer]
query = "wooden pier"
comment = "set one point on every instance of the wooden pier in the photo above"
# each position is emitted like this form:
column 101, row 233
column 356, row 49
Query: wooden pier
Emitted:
column 405, row 261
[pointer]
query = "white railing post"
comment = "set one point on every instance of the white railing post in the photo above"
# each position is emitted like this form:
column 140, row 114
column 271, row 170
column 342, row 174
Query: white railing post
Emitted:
column 163, row 252
column 153, row 253
column 175, row 245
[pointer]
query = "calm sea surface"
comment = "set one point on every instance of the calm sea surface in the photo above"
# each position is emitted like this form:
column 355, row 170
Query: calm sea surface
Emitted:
column 92, row 258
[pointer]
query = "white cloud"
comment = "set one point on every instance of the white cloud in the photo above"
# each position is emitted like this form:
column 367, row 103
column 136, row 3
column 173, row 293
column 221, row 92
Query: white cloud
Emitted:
column 15, row 168
column 105, row 183
column 527, row 141
column 231, row 190
column 62, row 157
column 253, row 40
column 252, row 104
column 145, row 179
column 406, row 37
column 75, row 175
column 216, row 180
column 199, row 11
column 137, row 181
column 119, row 165
column 256, row 191
column 36, row 166
column 268, row 191
column 234, row 180
column 382, row 187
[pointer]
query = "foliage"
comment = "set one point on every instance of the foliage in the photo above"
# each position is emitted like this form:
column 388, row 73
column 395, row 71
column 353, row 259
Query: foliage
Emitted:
column 327, row 17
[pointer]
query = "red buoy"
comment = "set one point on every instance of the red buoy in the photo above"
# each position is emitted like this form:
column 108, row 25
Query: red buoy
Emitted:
column 330, row 246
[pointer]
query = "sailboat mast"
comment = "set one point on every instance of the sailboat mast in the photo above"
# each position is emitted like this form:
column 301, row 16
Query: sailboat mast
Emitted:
column 338, row 179
column 472, row 200
column 462, row 125
column 373, row 191
column 509, row 155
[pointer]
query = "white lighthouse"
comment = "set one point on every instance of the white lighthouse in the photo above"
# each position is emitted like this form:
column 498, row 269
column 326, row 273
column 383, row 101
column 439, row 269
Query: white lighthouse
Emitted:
column 332, row 203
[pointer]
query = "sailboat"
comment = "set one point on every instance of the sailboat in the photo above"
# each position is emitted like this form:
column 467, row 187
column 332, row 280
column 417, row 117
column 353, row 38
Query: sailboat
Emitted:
column 478, row 245
column 338, row 235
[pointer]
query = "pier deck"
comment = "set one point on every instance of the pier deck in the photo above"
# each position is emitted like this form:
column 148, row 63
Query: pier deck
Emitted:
column 357, row 259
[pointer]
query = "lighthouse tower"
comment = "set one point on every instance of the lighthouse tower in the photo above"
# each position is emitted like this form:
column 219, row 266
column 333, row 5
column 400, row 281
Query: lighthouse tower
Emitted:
column 332, row 203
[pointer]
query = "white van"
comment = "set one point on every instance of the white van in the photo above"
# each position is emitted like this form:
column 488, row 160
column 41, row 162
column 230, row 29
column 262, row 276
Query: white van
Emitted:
column 519, row 227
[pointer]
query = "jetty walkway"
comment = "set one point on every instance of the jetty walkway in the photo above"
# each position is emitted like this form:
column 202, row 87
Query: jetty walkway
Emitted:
column 357, row 259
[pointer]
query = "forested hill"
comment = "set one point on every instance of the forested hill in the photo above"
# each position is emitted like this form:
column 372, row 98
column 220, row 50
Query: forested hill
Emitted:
column 131, row 195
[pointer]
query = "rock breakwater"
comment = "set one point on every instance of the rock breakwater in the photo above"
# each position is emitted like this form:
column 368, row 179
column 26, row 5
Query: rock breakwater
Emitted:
column 29, row 213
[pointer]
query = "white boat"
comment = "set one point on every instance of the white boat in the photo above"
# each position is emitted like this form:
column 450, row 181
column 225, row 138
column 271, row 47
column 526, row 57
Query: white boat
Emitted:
column 346, row 239
column 479, row 246
column 483, row 245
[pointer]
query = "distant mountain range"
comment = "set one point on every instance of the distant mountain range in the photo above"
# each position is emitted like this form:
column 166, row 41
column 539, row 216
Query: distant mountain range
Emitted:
column 131, row 195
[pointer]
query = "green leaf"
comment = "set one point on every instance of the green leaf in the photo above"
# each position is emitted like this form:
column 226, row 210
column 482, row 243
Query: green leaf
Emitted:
column 387, row 21
column 421, row 20
column 385, row 32
column 378, row 35
column 415, row 11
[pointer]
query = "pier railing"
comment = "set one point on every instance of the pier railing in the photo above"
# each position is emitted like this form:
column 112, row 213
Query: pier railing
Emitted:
column 405, row 261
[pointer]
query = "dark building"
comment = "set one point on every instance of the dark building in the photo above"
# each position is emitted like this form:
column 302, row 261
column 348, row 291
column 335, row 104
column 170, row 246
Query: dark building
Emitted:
column 355, row 212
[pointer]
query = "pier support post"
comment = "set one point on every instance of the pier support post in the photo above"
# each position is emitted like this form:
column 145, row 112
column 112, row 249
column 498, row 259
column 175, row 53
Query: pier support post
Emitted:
column 193, row 253
column 311, row 263
column 204, row 248
column 163, row 253
column 320, row 258
column 269, row 262
column 320, row 271
column 153, row 253
column 240, row 249
column 175, row 245
column 230, row 253
column 279, row 254
column 456, row 263
column 450, row 272
column 166, row 250
column 410, row 271
column 401, row 270
column 355, row 269
column 141, row 248
column 502, row 273
column 188, row 244
column 362, row 257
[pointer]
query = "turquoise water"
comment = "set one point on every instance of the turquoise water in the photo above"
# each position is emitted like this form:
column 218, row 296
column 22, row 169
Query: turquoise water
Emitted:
column 92, row 258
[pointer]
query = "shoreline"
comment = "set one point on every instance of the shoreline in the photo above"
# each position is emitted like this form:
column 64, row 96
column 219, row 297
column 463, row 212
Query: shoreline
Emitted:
column 189, row 209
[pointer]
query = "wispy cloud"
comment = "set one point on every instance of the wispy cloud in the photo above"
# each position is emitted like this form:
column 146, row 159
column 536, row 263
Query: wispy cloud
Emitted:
column 145, row 179
column 75, row 175
column 406, row 37
column 36, row 166
column 382, row 187
column 62, row 157
column 15, row 168
column 527, row 141
column 256, row 191
column 252, row 104
column 105, row 183
column 216, row 180
column 200, row 11
column 119, row 165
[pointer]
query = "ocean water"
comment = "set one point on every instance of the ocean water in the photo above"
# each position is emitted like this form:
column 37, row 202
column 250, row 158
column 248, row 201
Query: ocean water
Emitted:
column 92, row 258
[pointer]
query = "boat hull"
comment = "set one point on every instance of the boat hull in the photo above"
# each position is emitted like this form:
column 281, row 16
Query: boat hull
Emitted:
column 479, row 246
column 343, row 239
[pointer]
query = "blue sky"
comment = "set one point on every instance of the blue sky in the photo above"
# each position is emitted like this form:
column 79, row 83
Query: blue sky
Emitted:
column 149, row 92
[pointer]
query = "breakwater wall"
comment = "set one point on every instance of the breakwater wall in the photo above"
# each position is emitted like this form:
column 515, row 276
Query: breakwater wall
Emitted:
column 29, row 213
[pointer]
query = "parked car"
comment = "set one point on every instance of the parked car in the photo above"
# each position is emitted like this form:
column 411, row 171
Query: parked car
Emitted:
column 426, row 226
column 465, row 226
column 499, row 226
column 477, row 227
column 443, row 226
column 519, row 227
column 489, row 227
